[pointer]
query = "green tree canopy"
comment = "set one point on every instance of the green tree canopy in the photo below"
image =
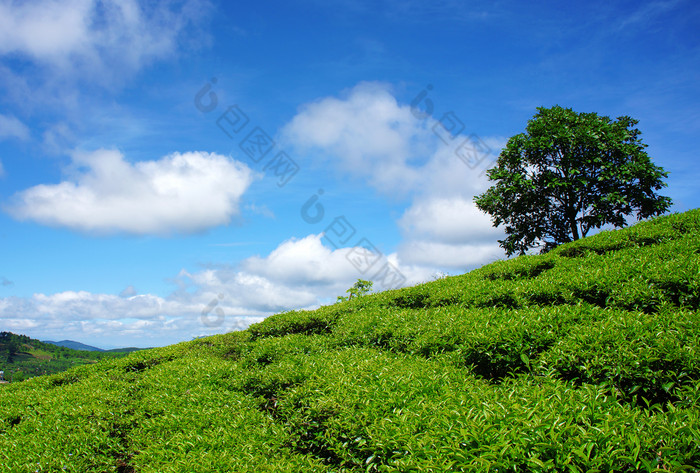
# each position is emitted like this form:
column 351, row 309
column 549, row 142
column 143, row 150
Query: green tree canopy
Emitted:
column 567, row 174
column 360, row 288
column 13, row 347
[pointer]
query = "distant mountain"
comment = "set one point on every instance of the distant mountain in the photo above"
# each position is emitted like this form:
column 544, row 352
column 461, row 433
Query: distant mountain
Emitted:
column 73, row 345
column 125, row 350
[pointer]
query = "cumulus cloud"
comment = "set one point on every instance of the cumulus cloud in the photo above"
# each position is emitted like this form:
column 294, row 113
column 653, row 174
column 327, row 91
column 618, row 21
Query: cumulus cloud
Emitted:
column 442, row 225
column 239, row 292
column 214, row 300
column 83, row 305
column 11, row 127
column 459, row 257
column 142, row 320
column 368, row 133
column 448, row 232
column 299, row 273
column 78, row 36
column 306, row 261
column 139, row 320
column 448, row 220
column 181, row 192
column 308, row 264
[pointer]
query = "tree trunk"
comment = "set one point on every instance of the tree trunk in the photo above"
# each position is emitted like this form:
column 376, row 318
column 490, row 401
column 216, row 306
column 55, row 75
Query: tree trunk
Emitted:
column 573, row 225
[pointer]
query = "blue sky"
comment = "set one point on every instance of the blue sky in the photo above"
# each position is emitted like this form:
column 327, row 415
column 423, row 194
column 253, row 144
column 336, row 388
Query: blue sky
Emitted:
column 177, row 169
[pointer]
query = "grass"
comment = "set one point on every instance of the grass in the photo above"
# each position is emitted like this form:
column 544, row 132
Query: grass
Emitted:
column 583, row 359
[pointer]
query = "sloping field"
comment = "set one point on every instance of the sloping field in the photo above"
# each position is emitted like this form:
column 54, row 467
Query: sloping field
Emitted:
column 583, row 359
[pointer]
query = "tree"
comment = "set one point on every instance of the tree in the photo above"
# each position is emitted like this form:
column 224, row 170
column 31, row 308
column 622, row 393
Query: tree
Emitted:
column 567, row 174
column 360, row 288
column 13, row 348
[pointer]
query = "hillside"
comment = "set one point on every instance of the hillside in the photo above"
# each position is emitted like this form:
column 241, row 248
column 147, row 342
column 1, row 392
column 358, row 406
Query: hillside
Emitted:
column 583, row 359
column 22, row 357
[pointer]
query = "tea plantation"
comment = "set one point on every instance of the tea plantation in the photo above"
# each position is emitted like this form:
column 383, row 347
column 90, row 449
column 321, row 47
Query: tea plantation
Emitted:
column 586, row 358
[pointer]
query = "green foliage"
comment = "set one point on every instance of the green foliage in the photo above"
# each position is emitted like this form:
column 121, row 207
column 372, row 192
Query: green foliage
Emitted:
column 567, row 174
column 360, row 288
column 25, row 357
column 583, row 359
column 12, row 348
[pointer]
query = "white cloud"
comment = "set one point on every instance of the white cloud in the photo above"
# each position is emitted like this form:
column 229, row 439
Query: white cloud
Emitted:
column 2, row 170
column 442, row 226
column 139, row 320
column 448, row 233
column 366, row 133
column 308, row 266
column 460, row 257
column 44, row 29
column 446, row 175
column 454, row 220
column 240, row 292
column 11, row 127
column 299, row 273
column 97, row 36
column 206, row 302
column 83, row 305
column 186, row 192
column 303, row 262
